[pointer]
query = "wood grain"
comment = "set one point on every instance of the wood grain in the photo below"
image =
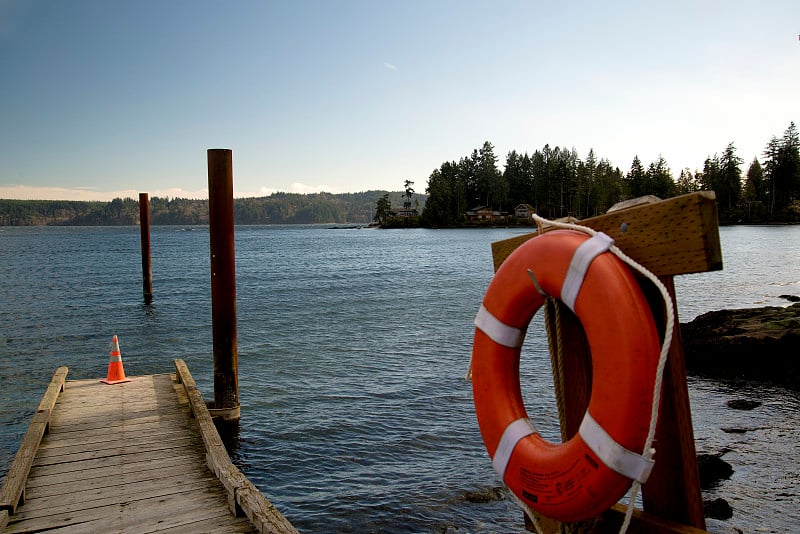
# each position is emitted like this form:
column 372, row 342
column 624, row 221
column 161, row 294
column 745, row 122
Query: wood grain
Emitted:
column 675, row 236
column 127, row 458
column 12, row 494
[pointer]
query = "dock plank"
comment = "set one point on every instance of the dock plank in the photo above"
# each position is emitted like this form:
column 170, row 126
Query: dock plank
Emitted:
column 126, row 458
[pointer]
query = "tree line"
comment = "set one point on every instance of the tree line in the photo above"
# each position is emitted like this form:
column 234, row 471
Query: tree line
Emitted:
column 556, row 182
column 278, row 208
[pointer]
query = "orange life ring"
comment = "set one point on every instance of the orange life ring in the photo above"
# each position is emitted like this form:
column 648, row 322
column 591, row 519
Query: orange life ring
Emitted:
column 584, row 476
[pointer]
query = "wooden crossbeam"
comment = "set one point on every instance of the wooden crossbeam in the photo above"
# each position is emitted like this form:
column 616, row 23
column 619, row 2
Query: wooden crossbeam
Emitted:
column 679, row 235
column 675, row 236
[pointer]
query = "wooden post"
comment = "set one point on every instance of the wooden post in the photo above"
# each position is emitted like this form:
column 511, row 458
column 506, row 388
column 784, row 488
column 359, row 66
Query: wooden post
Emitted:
column 147, row 268
column 223, row 284
column 673, row 490
column 671, row 237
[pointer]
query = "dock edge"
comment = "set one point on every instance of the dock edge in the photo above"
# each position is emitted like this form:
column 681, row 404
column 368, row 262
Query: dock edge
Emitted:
column 12, row 493
column 243, row 495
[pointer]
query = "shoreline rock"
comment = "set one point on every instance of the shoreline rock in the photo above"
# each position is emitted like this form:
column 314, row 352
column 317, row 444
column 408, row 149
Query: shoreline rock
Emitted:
column 756, row 344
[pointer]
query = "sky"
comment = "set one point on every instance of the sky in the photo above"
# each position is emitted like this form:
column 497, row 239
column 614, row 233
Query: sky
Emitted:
column 104, row 99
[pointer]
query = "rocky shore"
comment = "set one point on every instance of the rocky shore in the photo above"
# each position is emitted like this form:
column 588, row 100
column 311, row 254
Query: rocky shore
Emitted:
column 758, row 345
column 754, row 344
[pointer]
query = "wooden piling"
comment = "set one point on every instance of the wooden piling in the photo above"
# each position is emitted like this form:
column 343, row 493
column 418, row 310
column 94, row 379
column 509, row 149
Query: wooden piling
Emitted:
column 147, row 266
column 223, row 284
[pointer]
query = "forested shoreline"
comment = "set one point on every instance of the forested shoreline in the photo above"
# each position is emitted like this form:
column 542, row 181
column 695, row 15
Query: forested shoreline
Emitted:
column 278, row 208
column 556, row 182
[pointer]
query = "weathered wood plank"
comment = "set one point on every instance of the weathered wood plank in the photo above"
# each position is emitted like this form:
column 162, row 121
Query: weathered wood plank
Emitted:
column 77, row 454
column 98, row 440
column 212, row 526
column 242, row 492
column 109, row 463
column 75, row 502
column 133, row 473
column 218, row 525
column 104, row 491
column 125, row 424
column 12, row 494
column 675, row 236
column 129, row 516
column 148, row 468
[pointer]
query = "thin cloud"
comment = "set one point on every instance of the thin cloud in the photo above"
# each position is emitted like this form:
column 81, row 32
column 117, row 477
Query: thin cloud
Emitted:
column 27, row 192
column 389, row 66
column 307, row 189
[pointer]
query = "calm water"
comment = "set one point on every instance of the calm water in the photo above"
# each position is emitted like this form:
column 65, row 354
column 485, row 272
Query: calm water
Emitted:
column 353, row 346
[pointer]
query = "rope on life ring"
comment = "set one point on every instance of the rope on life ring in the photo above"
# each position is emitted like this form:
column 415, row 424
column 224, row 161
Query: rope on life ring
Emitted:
column 584, row 476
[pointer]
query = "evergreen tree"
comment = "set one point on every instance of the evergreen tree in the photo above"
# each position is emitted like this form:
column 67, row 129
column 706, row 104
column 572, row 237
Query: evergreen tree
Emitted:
column 636, row 179
column 686, row 183
column 408, row 194
column 572, row 188
column 710, row 176
column 437, row 210
column 540, row 175
column 771, row 157
column 787, row 172
column 488, row 177
column 446, row 204
column 754, row 194
column 659, row 181
column 383, row 210
column 608, row 185
column 526, row 185
column 754, row 183
column 729, row 184
column 514, row 176
column 586, row 185
column 468, row 171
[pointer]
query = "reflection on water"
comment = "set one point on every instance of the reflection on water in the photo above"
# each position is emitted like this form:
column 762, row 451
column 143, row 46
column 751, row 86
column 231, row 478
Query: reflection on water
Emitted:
column 760, row 444
column 759, row 264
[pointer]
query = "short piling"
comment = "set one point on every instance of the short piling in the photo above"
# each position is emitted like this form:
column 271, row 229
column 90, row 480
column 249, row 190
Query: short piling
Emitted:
column 223, row 284
column 147, row 265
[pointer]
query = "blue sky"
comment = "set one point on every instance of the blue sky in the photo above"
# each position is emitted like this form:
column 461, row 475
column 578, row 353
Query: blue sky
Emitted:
column 107, row 98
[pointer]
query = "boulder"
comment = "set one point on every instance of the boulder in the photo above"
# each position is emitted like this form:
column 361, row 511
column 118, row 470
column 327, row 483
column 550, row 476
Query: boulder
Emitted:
column 717, row 509
column 712, row 469
column 759, row 344
column 484, row 496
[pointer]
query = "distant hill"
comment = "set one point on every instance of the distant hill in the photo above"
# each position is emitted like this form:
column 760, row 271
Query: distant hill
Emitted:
column 278, row 208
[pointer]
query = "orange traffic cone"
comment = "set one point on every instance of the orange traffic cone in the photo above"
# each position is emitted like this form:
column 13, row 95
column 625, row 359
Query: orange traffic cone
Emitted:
column 116, row 374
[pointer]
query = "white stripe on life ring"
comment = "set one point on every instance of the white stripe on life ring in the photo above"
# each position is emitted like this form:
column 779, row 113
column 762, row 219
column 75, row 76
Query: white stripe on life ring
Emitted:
column 612, row 454
column 581, row 260
column 497, row 330
column 514, row 432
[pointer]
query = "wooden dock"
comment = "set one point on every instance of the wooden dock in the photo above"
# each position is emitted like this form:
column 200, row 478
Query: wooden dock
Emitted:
column 142, row 456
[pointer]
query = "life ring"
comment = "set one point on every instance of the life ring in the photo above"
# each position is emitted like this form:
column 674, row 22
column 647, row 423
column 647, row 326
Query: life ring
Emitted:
column 586, row 475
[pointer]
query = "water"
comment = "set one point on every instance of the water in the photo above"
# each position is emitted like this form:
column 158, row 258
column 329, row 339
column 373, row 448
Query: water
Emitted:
column 353, row 345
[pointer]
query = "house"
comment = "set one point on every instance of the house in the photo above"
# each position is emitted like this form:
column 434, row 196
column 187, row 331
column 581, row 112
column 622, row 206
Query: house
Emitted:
column 404, row 213
column 524, row 211
column 480, row 213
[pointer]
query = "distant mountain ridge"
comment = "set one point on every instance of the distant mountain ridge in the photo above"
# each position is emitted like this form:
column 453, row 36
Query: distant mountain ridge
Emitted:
column 278, row 208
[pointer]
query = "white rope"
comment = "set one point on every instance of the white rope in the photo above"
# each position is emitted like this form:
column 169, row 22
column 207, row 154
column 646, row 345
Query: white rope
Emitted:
column 648, row 451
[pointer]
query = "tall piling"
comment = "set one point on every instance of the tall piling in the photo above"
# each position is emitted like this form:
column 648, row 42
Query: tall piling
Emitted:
column 223, row 284
column 147, row 264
